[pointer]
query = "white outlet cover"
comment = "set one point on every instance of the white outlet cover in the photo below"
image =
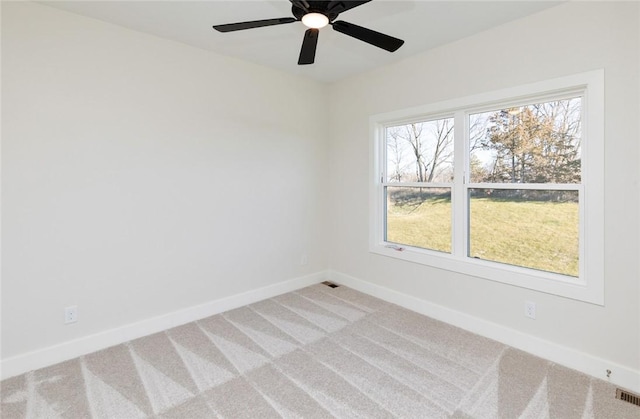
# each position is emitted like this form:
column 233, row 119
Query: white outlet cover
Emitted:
column 71, row 314
column 530, row 309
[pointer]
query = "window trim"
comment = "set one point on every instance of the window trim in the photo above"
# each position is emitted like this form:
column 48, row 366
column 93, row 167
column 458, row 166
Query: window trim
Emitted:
column 589, row 287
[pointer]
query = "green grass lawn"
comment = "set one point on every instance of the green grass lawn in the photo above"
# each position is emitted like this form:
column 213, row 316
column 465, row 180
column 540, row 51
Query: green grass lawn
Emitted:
column 536, row 234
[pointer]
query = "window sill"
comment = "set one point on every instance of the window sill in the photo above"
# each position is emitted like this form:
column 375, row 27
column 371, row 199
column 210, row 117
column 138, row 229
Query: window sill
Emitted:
column 547, row 282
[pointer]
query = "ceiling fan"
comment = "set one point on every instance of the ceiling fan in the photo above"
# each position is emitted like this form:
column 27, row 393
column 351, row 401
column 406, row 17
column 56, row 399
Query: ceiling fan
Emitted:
column 316, row 15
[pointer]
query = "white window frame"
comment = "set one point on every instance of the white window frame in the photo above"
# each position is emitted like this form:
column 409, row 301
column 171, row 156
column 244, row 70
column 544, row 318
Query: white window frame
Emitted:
column 589, row 286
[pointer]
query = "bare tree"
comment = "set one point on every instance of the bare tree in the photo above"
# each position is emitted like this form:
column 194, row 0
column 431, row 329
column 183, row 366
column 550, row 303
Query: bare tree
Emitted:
column 443, row 150
column 395, row 156
column 429, row 145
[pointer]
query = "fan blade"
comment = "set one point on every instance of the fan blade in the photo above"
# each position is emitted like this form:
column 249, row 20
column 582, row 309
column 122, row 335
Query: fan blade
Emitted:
column 308, row 50
column 302, row 4
column 230, row 27
column 341, row 6
column 378, row 39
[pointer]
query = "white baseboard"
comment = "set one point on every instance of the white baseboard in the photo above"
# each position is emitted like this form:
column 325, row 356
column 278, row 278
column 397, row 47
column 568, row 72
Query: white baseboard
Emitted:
column 41, row 358
column 621, row 376
column 572, row 358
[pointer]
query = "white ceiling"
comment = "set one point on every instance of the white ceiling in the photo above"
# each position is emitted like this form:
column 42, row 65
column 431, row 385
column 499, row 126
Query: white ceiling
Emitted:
column 422, row 24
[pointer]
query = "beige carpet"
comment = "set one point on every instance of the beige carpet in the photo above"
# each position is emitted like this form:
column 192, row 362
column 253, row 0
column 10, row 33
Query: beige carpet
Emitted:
column 315, row 353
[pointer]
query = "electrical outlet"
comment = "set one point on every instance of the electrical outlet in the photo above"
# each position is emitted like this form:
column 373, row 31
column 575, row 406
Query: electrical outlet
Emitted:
column 304, row 259
column 70, row 314
column 530, row 309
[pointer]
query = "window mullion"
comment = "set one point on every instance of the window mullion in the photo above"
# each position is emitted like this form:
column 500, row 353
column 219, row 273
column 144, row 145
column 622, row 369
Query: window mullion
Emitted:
column 458, row 196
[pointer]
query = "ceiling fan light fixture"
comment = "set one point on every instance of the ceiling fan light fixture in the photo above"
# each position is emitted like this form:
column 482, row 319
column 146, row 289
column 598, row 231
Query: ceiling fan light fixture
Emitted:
column 315, row 20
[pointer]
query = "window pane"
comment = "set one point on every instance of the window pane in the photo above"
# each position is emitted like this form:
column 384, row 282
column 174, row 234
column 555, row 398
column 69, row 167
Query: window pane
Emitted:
column 419, row 217
column 420, row 152
column 528, row 228
column 537, row 143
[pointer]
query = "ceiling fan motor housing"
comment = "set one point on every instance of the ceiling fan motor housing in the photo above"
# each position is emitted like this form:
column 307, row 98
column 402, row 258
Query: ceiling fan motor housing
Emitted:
column 314, row 7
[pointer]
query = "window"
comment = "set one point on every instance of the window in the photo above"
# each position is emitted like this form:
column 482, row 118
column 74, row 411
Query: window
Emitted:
column 507, row 186
column 419, row 162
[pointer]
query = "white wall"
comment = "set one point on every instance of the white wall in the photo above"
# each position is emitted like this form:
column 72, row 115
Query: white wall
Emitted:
column 141, row 176
column 571, row 38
